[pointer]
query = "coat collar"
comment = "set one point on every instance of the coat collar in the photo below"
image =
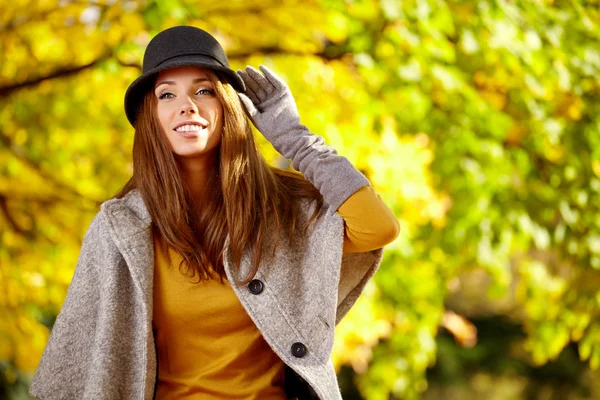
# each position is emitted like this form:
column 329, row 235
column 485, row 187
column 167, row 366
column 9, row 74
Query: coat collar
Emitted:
column 133, row 203
column 129, row 225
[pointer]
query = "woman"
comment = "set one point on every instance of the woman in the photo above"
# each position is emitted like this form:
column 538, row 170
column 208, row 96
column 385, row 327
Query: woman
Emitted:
column 212, row 275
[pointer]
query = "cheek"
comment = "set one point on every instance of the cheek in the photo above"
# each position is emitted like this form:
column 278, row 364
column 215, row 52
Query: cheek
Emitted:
column 163, row 117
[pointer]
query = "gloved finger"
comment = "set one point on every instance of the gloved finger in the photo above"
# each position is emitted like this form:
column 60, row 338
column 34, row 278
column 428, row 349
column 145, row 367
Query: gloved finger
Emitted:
column 266, row 89
column 248, row 80
column 278, row 83
column 254, row 86
column 271, row 86
column 248, row 104
column 255, row 80
column 250, row 87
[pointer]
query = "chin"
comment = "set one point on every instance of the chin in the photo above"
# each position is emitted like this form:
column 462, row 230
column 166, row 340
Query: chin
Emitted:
column 190, row 154
column 195, row 152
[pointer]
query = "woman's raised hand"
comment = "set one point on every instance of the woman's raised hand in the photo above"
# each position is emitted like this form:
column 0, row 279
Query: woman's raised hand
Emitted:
column 270, row 104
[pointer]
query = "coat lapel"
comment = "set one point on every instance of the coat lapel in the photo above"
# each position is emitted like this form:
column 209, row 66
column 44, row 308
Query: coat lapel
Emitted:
column 130, row 228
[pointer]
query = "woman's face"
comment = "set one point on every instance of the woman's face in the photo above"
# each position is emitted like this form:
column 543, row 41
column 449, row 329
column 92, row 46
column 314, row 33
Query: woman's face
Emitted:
column 189, row 111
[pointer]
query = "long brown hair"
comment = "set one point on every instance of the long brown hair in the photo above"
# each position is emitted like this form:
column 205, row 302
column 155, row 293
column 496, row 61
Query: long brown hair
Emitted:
column 245, row 197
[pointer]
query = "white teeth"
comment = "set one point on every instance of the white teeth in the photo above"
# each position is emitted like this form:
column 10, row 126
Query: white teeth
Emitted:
column 189, row 128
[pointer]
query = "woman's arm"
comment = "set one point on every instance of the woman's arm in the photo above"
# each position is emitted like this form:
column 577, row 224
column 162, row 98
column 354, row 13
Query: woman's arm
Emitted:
column 368, row 223
column 273, row 111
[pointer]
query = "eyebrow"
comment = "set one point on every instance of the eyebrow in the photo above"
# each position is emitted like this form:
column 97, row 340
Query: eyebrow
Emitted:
column 173, row 82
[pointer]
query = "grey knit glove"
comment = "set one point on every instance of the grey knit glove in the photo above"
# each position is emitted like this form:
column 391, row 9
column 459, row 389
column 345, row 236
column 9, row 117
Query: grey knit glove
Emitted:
column 273, row 111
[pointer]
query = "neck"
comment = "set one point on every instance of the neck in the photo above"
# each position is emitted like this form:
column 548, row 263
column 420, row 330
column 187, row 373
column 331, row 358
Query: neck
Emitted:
column 197, row 172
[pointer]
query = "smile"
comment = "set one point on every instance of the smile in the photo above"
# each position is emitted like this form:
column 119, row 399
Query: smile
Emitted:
column 190, row 128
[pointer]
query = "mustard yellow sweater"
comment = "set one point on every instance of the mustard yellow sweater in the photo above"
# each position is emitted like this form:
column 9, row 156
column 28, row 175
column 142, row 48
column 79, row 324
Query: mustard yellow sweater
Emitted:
column 208, row 347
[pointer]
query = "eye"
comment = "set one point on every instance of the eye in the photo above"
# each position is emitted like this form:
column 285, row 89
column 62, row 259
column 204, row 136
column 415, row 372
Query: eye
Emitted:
column 205, row 91
column 164, row 95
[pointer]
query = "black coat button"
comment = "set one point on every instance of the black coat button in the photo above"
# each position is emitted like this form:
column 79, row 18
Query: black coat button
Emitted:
column 298, row 349
column 255, row 286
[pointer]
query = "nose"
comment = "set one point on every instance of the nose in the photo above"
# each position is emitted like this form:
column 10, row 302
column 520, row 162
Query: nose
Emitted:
column 188, row 107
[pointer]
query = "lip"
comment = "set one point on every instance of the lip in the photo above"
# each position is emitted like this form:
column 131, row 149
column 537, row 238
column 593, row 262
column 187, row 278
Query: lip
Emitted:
column 201, row 124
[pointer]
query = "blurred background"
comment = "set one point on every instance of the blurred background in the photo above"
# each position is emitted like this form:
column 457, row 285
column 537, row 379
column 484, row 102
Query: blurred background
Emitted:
column 477, row 122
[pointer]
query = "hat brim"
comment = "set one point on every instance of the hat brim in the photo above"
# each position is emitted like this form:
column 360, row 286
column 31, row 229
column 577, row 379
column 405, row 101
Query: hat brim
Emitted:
column 136, row 90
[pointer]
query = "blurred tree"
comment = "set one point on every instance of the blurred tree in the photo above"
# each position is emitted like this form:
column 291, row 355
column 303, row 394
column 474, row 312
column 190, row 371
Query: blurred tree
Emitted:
column 476, row 121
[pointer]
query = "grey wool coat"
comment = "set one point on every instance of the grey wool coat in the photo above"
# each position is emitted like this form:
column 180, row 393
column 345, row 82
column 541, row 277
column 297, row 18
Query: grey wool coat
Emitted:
column 102, row 344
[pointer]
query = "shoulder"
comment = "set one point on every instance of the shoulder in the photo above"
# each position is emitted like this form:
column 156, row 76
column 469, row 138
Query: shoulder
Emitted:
column 126, row 216
column 131, row 204
column 117, row 220
column 308, row 206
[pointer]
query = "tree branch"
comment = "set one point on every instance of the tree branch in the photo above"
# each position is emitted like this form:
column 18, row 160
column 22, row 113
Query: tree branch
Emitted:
column 329, row 53
column 61, row 73
column 11, row 221
column 130, row 65
column 48, row 200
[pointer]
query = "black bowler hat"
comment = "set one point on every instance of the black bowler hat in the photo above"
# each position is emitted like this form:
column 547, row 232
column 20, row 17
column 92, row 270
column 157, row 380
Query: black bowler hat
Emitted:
column 178, row 46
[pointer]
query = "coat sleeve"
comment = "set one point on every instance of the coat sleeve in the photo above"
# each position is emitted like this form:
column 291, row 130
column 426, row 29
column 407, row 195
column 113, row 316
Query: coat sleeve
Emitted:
column 62, row 371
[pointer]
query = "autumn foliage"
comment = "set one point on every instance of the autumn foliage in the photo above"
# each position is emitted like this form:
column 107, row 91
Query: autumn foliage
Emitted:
column 478, row 122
